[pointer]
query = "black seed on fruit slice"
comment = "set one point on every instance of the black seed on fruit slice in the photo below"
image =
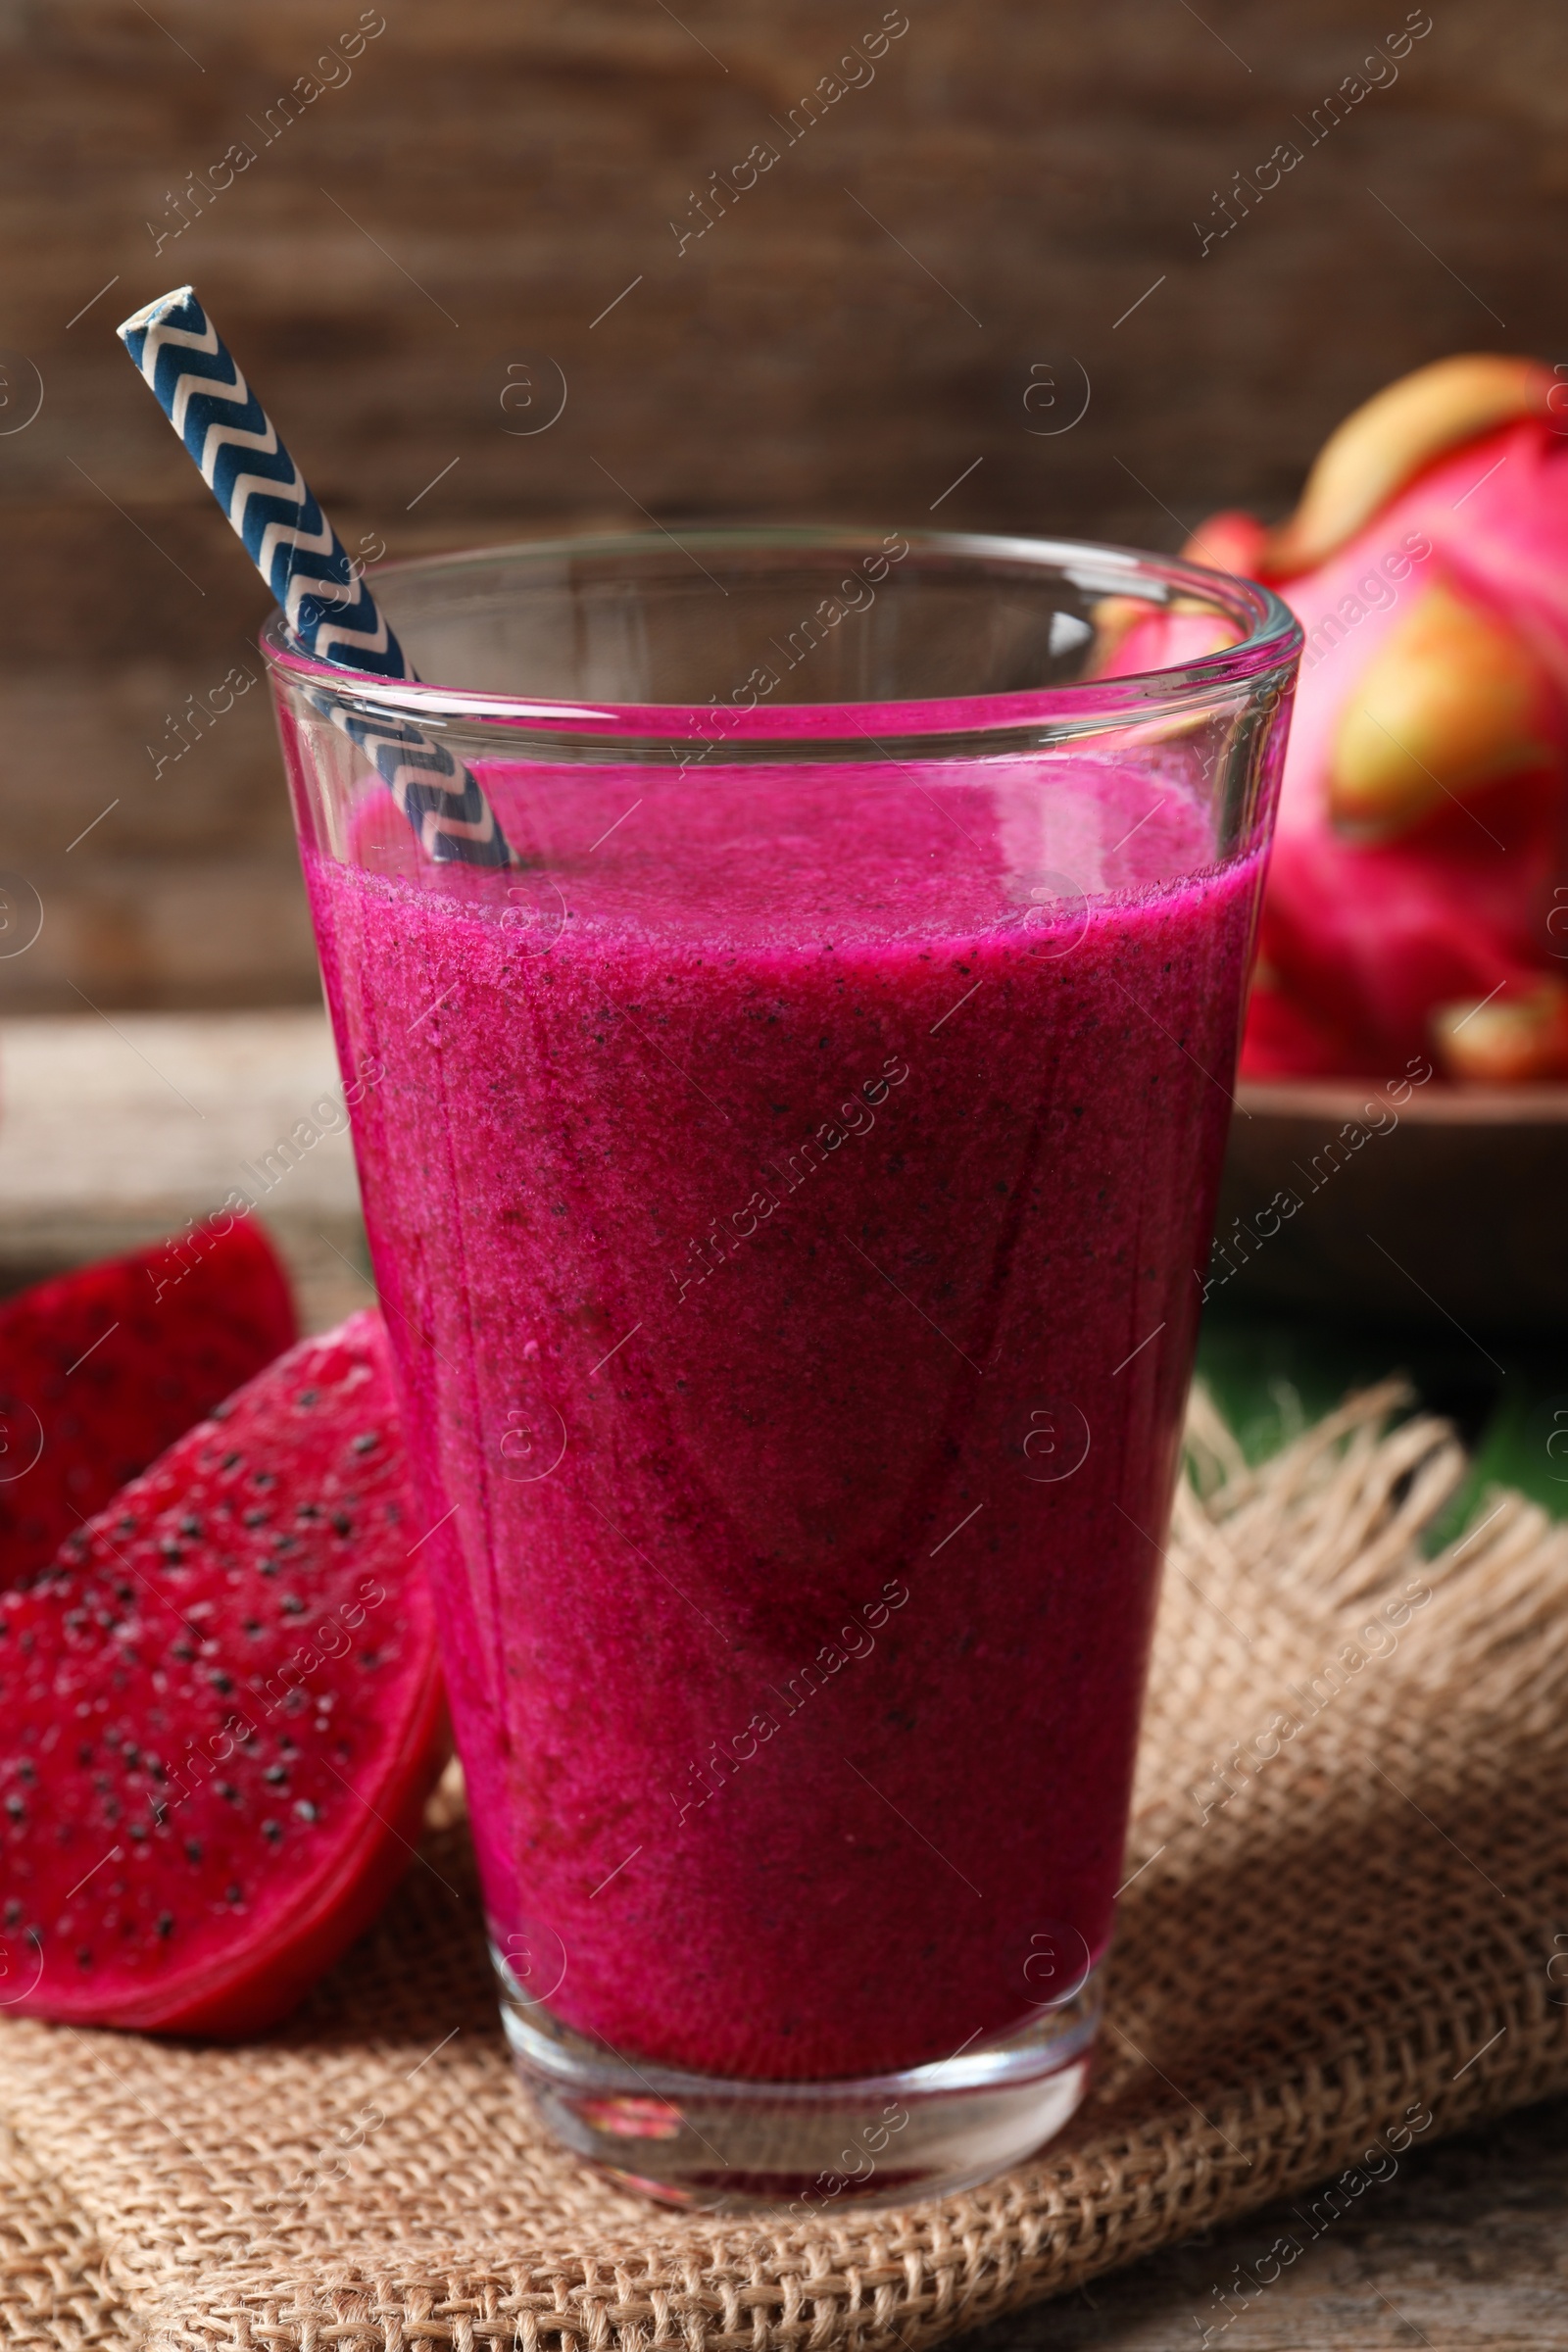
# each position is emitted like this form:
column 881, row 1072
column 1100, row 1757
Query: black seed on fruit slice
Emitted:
column 272, row 1831
column 276, row 1774
column 258, row 1518
column 193, row 1850
column 343, row 1523
column 165, row 1923
column 292, row 1606
column 366, row 1441
column 85, row 1957
column 230, row 1461
column 16, row 1808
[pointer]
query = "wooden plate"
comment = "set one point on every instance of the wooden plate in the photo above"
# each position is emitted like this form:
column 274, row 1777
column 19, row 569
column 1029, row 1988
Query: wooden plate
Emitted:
column 1448, row 1210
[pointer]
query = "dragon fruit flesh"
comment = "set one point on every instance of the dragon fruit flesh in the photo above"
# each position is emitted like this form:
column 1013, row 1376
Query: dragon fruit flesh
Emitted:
column 221, row 1713
column 101, row 1368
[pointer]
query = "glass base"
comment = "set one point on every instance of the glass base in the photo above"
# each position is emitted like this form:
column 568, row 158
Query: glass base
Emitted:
column 719, row 2146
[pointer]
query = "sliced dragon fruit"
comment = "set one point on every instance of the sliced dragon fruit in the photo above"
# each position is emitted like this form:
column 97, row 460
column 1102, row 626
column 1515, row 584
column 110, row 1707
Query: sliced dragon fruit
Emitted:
column 101, row 1369
column 222, row 1712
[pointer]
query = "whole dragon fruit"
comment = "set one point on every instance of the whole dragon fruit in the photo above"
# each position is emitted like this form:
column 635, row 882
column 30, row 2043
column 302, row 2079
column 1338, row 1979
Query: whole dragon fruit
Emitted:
column 1413, row 903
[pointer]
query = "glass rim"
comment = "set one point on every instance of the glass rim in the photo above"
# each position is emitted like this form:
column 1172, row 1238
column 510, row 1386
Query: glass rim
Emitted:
column 1271, row 642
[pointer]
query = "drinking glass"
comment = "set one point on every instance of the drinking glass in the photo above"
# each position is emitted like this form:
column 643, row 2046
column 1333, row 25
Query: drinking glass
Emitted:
column 788, row 1183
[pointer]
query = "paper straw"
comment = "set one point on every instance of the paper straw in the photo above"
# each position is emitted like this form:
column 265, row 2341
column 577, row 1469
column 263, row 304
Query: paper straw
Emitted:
column 304, row 563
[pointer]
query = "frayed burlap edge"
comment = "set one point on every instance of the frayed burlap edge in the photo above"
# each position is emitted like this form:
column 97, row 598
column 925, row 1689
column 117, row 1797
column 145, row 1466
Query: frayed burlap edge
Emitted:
column 1337, row 1941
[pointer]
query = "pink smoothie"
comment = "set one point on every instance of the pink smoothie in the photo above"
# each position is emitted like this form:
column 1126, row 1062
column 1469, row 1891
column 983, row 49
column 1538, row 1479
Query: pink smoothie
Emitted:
column 788, row 1207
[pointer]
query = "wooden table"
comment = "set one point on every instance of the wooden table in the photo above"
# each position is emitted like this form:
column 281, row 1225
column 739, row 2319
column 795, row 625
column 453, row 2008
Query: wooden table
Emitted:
column 116, row 1130
column 111, row 1132
column 1466, row 2248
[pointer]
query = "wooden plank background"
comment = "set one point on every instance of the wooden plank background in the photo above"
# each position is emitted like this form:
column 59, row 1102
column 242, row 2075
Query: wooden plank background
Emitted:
column 461, row 189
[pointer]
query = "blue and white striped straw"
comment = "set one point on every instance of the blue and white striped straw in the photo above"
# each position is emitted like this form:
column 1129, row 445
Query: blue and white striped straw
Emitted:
column 304, row 563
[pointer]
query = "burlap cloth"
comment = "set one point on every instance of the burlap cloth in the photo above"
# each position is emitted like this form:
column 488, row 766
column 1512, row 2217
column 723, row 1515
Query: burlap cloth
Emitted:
column 1364, row 1928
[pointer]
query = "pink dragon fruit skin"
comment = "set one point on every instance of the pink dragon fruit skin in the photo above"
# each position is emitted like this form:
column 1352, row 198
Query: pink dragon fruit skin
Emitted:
column 1406, row 912
column 1373, row 935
